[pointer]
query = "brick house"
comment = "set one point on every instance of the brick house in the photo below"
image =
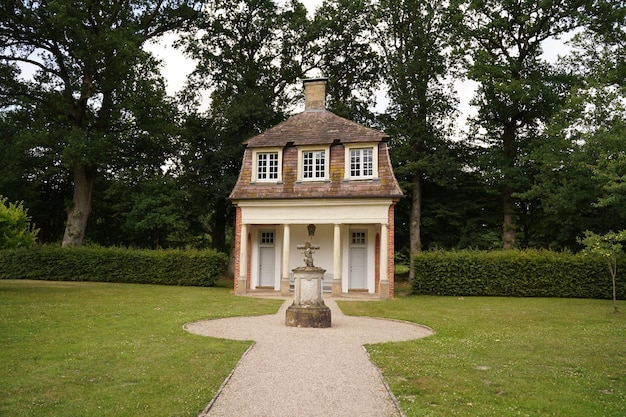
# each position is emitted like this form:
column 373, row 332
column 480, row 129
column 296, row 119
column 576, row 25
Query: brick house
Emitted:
column 321, row 169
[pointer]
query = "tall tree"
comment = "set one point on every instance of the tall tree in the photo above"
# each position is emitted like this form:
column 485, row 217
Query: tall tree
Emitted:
column 343, row 47
column 582, row 160
column 413, row 37
column 518, row 89
column 250, row 54
column 92, row 83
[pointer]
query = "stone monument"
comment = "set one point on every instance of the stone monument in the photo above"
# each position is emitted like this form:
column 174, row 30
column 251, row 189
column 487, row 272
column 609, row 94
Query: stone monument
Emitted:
column 308, row 308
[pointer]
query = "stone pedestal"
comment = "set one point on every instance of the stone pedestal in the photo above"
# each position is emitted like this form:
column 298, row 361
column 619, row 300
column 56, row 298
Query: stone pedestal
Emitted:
column 308, row 308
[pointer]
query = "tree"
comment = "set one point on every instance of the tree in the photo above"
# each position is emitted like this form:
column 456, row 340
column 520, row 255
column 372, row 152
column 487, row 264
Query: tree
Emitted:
column 518, row 89
column 413, row 37
column 609, row 247
column 343, row 49
column 250, row 54
column 16, row 229
column 582, row 160
column 94, row 95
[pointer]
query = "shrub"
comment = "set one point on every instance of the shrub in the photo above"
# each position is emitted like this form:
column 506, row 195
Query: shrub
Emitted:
column 513, row 273
column 164, row 267
column 16, row 230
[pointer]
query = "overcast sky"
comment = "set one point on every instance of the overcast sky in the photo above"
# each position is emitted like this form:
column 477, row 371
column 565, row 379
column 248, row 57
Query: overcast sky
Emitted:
column 177, row 67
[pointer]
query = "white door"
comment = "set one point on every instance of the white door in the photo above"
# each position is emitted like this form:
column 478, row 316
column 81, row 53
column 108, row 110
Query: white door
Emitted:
column 358, row 260
column 266, row 258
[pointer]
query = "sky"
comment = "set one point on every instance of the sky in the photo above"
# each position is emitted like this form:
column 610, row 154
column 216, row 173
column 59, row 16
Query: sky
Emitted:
column 176, row 68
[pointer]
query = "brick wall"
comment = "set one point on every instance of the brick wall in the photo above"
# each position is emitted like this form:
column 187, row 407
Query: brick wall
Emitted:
column 390, row 249
column 237, row 249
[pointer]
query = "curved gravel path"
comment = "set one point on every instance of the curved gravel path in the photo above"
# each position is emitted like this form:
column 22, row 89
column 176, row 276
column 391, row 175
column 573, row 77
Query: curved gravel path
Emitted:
column 302, row 371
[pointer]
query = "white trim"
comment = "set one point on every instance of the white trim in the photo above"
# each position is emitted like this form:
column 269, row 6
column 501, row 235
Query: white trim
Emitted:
column 255, row 173
column 322, row 211
column 313, row 148
column 353, row 146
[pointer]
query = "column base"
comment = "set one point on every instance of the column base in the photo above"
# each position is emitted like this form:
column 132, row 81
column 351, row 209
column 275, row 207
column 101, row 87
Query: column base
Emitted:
column 384, row 290
column 336, row 288
column 284, row 287
column 242, row 282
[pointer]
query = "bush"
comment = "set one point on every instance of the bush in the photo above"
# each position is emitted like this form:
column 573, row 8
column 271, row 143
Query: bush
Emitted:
column 16, row 230
column 163, row 267
column 513, row 273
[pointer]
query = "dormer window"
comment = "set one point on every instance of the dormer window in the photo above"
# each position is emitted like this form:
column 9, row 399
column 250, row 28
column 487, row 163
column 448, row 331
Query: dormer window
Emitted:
column 267, row 165
column 361, row 161
column 313, row 163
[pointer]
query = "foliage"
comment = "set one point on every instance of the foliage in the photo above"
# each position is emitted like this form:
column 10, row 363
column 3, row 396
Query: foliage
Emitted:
column 94, row 96
column 518, row 88
column 609, row 247
column 113, row 350
column 496, row 357
column 414, row 40
column 250, row 54
column 344, row 51
column 163, row 267
column 513, row 273
column 16, row 229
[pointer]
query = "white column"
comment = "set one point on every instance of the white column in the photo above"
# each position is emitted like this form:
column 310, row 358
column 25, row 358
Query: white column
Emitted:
column 336, row 285
column 284, row 280
column 383, row 285
column 243, row 260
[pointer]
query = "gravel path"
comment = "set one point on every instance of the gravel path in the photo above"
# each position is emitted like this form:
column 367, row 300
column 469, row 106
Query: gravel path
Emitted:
column 293, row 371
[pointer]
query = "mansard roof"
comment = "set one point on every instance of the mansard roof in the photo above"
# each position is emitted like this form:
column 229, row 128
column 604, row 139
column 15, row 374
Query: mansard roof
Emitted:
column 315, row 127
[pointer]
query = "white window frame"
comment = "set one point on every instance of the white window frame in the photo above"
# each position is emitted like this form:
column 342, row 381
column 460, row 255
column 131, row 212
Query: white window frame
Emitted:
column 255, row 164
column 325, row 174
column 348, row 161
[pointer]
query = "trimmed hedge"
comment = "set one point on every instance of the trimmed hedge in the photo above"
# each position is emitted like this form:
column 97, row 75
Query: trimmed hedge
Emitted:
column 163, row 267
column 515, row 273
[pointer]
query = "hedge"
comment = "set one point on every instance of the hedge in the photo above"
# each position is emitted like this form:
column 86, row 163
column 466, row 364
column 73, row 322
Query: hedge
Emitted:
column 514, row 273
column 164, row 267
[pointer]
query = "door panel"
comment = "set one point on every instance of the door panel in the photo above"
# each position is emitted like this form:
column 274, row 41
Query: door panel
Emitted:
column 266, row 259
column 358, row 260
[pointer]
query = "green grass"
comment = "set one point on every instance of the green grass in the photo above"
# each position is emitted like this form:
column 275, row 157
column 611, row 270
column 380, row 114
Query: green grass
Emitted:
column 505, row 356
column 96, row 349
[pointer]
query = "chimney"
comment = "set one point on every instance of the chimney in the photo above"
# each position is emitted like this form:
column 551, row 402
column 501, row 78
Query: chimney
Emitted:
column 315, row 94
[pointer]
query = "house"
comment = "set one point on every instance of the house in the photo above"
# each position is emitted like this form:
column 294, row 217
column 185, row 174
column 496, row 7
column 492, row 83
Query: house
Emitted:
column 318, row 169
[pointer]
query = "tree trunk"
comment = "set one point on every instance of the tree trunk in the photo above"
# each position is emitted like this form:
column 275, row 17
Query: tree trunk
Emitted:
column 508, row 226
column 219, row 225
column 508, row 203
column 77, row 216
column 415, row 221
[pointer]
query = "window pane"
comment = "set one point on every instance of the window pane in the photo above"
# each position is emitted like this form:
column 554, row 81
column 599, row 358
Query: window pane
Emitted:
column 273, row 172
column 362, row 162
column 368, row 162
column 313, row 164
column 267, row 166
column 355, row 162
column 267, row 237
column 262, row 166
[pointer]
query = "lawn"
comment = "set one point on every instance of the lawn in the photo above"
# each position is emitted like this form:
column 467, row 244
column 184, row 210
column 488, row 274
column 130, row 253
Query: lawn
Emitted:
column 505, row 356
column 96, row 349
